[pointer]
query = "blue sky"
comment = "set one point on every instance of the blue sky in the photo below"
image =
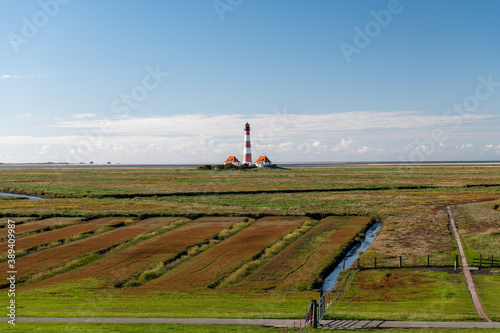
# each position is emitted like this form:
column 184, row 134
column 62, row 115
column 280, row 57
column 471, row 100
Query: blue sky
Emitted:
column 174, row 81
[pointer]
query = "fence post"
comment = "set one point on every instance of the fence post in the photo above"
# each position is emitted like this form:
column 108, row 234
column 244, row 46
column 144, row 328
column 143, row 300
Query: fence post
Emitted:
column 400, row 261
column 428, row 260
column 359, row 266
column 309, row 313
column 456, row 262
column 343, row 265
column 314, row 313
column 375, row 262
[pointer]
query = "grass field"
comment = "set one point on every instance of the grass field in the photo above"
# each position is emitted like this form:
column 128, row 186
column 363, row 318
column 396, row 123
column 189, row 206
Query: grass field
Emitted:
column 270, row 244
column 80, row 300
column 407, row 295
column 60, row 327
column 479, row 229
column 413, row 236
column 78, row 183
column 488, row 288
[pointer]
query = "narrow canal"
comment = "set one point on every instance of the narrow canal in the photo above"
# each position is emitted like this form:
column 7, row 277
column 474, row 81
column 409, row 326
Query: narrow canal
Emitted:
column 352, row 256
column 19, row 195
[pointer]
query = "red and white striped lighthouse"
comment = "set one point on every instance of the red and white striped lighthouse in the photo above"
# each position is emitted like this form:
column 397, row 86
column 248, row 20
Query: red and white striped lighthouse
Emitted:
column 247, row 150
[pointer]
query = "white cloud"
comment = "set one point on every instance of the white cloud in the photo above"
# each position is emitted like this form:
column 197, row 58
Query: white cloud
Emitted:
column 273, row 125
column 16, row 76
column 44, row 150
column 84, row 115
column 465, row 146
column 489, row 148
column 362, row 150
column 348, row 147
column 201, row 138
column 344, row 145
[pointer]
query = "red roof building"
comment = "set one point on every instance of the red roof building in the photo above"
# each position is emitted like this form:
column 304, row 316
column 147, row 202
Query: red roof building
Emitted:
column 232, row 160
column 263, row 161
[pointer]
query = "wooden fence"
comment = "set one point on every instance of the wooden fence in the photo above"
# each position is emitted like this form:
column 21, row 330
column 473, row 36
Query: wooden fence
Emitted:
column 327, row 300
column 317, row 309
column 481, row 262
column 488, row 262
column 400, row 262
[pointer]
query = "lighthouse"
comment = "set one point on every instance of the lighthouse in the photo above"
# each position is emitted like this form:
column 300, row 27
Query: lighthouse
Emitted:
column 247, row 149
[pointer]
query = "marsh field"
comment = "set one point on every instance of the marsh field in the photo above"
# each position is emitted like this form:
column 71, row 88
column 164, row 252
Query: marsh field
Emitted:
column 249, row 244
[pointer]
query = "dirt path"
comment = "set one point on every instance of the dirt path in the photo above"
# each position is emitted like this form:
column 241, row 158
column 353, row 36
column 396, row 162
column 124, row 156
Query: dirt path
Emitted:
column 466, row 270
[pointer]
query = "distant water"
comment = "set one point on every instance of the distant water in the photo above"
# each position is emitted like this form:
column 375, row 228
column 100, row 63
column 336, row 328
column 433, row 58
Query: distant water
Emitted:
column 19, row 195
column 352, row 256
column 368, row 163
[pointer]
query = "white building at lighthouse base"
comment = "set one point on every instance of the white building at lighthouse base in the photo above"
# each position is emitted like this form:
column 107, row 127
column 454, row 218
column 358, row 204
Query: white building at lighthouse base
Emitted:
column 263, row 161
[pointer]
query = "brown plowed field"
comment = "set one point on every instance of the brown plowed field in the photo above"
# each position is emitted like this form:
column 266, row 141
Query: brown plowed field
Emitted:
column 19, row 222
column 221, row 260
column 41, row 224
column 127, row 262
column 124, row 264
column 60, row 234
column 297, row 266
column 44, row 260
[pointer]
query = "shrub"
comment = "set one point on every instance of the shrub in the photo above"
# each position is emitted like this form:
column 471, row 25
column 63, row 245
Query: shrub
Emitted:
column 204, row 167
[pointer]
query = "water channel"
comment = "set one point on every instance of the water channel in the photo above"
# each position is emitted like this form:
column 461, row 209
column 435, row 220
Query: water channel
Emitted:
column 19, row 195
column 352, row 256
